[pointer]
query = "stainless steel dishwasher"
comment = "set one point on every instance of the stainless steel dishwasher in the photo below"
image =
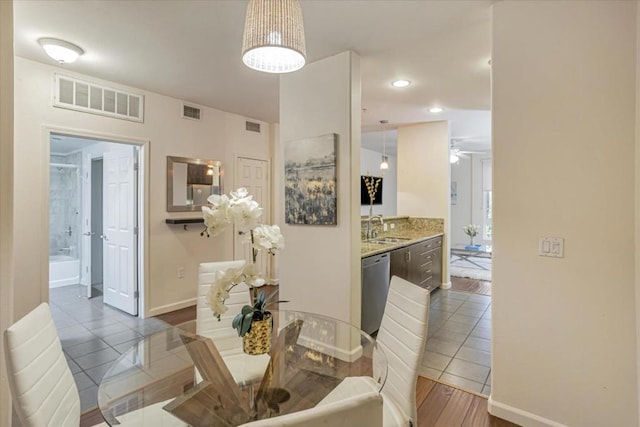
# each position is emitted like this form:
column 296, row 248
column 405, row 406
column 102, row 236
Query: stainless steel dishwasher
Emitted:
column 375, row 287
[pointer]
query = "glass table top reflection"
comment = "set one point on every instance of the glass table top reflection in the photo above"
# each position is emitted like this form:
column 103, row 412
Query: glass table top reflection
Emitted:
column 184, row 375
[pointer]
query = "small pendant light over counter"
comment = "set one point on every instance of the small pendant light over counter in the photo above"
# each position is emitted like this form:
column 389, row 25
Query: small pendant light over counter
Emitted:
column 273, row 39
column 385, row 160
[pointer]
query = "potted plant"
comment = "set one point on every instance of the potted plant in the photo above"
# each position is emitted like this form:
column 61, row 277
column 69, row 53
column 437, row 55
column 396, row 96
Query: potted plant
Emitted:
column 253, row 323
column 471, row 230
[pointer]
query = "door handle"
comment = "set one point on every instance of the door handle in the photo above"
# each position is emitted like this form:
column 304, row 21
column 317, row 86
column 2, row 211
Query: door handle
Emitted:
column 104, row 237
column 89, row 233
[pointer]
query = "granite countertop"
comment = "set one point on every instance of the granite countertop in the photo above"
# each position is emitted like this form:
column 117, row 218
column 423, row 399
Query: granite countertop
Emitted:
column 413, row 236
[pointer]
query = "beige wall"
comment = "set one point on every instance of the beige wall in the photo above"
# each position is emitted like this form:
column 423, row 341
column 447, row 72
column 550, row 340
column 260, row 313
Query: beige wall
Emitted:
column 320, row 267
column 218, row 136
column 637, row 206
column 424, row 178
column 6, row 195
column 563, row 98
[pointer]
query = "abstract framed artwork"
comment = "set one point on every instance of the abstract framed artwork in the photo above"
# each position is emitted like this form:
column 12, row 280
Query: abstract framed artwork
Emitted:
column 311, row 180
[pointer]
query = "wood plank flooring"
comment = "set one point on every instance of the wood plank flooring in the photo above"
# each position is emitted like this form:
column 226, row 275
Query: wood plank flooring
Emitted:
column 473, row 286
column 179, row 316
column 440, row 405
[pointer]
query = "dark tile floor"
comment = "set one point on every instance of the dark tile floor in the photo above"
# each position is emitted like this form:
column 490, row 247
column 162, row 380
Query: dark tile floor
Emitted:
column 93, row 335
column 458, row 348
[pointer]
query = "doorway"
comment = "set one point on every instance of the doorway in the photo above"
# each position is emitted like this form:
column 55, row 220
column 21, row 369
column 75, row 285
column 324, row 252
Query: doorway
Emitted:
column 253, row 174
column 94, row 193
column 96, row 224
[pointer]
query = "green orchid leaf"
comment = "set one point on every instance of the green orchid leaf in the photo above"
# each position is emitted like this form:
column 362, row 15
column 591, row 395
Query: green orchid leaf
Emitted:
column 236, row 320
column 246, row 324
column 246, row 310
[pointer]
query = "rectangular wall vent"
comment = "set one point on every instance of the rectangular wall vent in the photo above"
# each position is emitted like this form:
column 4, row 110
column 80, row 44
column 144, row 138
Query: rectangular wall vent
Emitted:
column 253, row 127
column 191, row 112
column 81, row 95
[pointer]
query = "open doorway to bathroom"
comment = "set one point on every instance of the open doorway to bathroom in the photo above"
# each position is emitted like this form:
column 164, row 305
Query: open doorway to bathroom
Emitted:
column 94, row 188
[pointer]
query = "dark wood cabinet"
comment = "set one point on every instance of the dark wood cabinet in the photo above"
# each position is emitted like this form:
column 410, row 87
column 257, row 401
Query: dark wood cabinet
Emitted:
column 420, row 263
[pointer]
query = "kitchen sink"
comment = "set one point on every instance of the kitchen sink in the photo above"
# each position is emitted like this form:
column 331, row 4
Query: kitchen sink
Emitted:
column 385, row 240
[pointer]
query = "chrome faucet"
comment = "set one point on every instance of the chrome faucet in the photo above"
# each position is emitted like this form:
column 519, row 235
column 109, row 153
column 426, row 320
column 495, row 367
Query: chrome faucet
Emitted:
column 370, row 232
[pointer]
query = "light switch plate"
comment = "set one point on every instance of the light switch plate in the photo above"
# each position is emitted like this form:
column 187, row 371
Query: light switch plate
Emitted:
column 551, row 247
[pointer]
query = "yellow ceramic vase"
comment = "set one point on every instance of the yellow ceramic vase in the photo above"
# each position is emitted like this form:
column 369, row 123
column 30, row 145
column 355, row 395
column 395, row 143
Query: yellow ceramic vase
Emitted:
column 258, row 339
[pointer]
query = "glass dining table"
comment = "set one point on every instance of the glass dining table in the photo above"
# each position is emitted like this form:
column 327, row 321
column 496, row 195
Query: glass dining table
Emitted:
column 184, row 375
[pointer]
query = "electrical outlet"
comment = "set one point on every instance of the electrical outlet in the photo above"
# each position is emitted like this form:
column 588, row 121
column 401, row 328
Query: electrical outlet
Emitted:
column 180, row 272
column 393, row 226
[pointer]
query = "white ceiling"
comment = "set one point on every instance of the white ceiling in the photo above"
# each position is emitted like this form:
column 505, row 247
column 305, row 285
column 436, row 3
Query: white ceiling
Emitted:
column 191, row 50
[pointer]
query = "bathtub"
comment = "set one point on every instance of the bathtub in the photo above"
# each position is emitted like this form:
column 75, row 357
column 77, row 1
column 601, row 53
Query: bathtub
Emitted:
column 63, row 271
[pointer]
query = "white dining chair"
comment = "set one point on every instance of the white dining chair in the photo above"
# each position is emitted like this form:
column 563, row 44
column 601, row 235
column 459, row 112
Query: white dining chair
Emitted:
column 244, row 368
column 401, row 337
column 42, row 387
column 362, row 410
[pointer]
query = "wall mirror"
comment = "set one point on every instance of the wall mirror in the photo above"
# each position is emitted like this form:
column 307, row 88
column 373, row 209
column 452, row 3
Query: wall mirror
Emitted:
column 190, row 182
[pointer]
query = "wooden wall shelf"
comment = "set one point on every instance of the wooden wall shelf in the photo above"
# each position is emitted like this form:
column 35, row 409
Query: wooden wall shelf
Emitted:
column 184, row 221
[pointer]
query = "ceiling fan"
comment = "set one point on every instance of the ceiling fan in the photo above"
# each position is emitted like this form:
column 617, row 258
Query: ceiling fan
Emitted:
column 455, row 153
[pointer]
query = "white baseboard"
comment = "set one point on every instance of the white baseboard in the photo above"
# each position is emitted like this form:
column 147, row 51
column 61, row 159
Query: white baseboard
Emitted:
column 171, row 307
column 519, row 416
column 64, row 282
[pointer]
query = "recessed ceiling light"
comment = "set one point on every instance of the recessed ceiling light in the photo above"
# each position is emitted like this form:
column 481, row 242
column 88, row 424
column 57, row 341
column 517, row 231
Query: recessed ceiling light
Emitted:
column 401, row 83
column 60, row 50
column 436, row 110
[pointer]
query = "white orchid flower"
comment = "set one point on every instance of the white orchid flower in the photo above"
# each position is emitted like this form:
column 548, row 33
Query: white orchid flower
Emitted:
column 240, row 209
column 252, row 276
column 268, row 238
column 240, row 194
column 216, row 220
column 245, row 213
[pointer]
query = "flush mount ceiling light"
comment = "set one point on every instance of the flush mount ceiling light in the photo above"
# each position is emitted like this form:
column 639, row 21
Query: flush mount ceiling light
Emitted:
column 273, row 39
column 60, row 50
column 385, row 160
column 400, row 83
column 436, row 110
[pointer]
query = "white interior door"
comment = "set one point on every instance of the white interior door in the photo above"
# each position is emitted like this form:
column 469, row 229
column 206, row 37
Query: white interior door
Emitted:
column 87, row 234
column 253, row 175
column 119, row 226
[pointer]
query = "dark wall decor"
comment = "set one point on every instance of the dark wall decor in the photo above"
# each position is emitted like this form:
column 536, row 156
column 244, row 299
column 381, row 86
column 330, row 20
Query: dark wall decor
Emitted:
column 310, row 180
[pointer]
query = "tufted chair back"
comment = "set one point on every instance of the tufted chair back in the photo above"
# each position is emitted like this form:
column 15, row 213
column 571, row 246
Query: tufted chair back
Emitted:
column 402, row 337
column 359, row 410
column 42, row 386
column 223, row 335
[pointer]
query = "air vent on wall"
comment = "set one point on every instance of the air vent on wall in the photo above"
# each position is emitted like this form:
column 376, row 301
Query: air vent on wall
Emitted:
column 190, row 112
column 253, row 127
column 81, row 95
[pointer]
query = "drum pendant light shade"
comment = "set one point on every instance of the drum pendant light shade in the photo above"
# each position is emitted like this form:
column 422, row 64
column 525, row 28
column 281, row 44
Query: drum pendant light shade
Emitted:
column 273, row 39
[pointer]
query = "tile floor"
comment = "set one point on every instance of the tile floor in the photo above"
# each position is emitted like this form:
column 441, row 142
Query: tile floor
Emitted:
column 93, row 335
column 458, row 348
